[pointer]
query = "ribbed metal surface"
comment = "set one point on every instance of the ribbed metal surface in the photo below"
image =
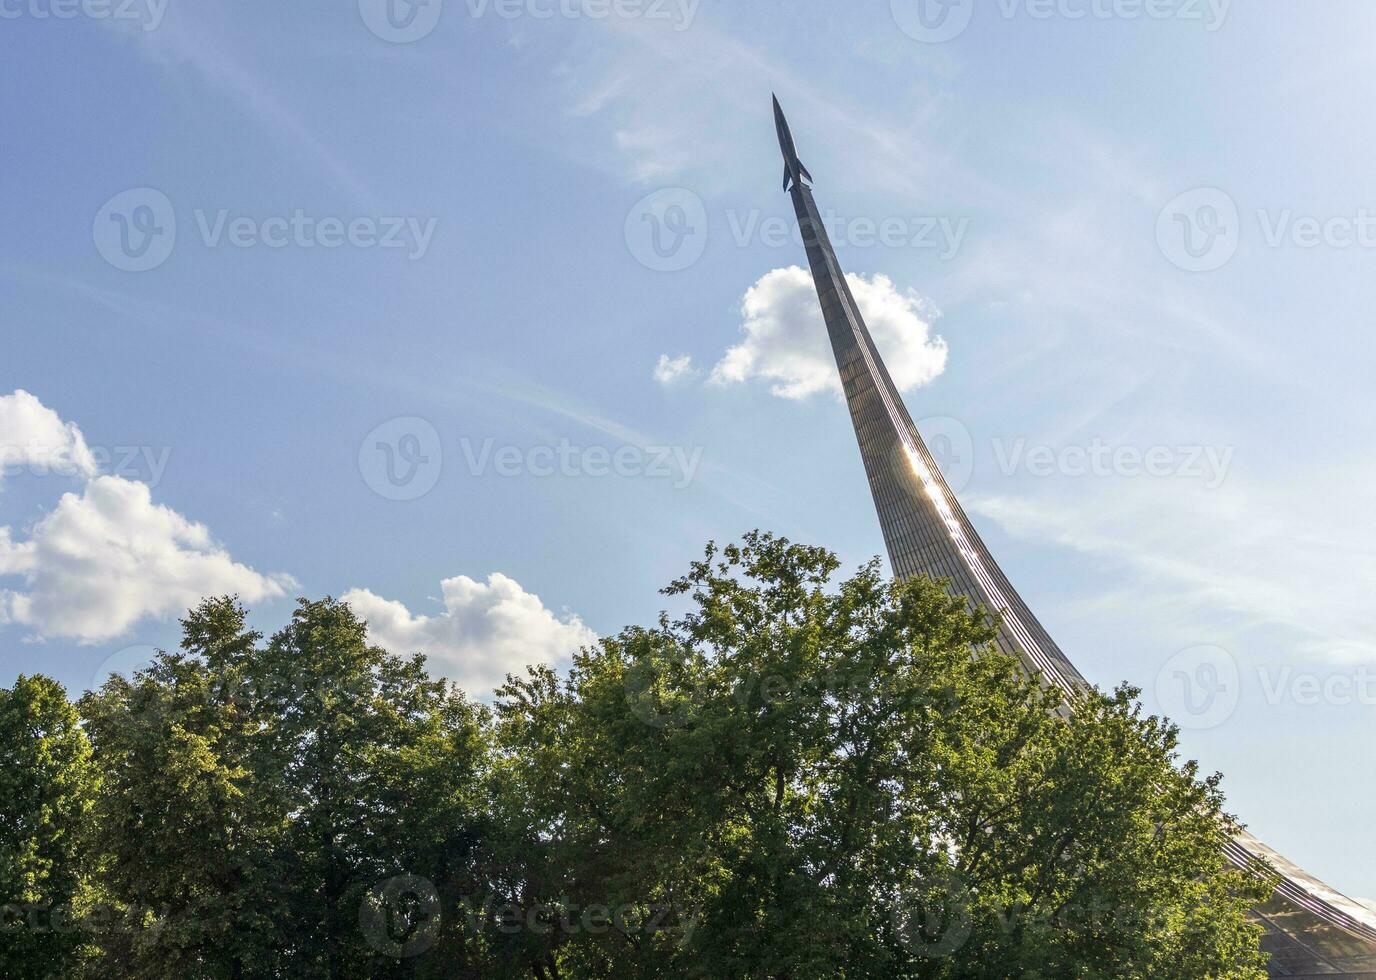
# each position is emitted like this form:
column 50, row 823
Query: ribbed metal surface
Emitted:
column 1312, row 930
column 925, row 529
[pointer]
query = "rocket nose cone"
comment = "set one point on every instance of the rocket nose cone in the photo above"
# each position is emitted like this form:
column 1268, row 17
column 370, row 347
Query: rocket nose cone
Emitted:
column 781, row 124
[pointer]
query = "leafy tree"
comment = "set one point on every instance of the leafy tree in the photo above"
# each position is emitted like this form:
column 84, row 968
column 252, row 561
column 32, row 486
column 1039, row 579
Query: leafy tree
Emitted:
column 47, row 783
column 795, row 779
column 798, row 776
column 263, row 800
column 379, row 768
column 191, row 848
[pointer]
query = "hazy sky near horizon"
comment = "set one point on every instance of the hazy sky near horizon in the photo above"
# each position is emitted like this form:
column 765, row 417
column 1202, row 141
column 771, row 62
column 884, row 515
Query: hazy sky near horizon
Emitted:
column 487, row 314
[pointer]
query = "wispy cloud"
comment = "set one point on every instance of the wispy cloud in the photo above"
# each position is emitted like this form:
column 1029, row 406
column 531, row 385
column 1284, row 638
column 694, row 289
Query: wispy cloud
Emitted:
column 703, row 96
column 190, row 40
column 1287, row 553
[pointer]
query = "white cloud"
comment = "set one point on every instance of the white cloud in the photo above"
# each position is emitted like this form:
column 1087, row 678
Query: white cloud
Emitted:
column 33, row 437
column 485, row 632
column 671, row 370
column 106, row 558
column 786, row 340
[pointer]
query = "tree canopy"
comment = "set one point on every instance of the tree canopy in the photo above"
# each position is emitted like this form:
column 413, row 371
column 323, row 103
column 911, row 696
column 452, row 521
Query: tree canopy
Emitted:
column 796, row 775
column 47, row 782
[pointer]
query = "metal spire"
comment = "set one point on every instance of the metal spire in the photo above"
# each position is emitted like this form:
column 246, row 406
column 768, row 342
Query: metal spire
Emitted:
column 1310, row 928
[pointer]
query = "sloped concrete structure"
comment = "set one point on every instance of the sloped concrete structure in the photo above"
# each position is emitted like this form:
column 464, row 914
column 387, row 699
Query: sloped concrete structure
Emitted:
column 1311, row 930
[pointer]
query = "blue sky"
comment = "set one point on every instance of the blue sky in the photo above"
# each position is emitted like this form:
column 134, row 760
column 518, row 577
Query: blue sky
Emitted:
column 484, row 314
